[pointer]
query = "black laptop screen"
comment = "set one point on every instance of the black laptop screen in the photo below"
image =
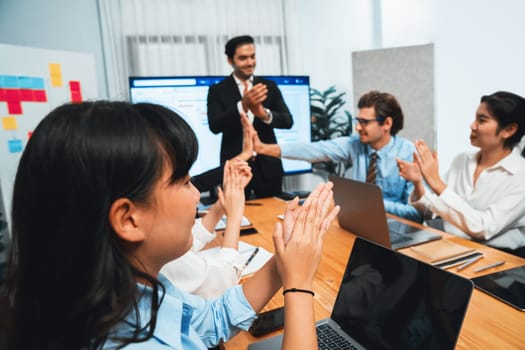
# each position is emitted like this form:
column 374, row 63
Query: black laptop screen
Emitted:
column 388, row 300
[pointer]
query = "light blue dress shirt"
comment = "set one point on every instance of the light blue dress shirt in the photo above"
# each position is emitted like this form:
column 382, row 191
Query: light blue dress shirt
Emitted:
column 396, row 190
column 186, row 321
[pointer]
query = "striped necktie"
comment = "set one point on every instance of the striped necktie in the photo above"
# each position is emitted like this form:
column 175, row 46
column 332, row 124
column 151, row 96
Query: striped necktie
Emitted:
column 372, row 169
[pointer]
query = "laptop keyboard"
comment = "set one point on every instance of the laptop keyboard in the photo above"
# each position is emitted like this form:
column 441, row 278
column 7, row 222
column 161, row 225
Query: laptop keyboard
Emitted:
column 396, row 237
column 329, row 339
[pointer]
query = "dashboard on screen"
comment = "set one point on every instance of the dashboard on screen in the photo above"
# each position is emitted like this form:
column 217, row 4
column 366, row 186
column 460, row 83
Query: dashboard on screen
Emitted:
column 188, row 97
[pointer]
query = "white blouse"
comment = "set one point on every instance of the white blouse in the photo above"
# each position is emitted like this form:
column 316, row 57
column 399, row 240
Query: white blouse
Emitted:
column 207, row 275
column 491, row 211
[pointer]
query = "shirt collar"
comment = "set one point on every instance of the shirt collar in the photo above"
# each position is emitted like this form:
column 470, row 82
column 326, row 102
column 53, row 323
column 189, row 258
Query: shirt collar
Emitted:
column 240, row 83
column 385, row 149
column 511, row 163
column 173, row 317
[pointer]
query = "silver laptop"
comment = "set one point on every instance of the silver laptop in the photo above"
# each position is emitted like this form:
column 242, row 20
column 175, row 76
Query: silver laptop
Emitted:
column 388, row 300
column 363, row 213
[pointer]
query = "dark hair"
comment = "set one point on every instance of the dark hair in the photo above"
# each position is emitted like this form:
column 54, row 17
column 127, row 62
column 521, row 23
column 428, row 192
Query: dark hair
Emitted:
column 507, row 108
column 234, row 43
column 69, row 277
column 385, row 105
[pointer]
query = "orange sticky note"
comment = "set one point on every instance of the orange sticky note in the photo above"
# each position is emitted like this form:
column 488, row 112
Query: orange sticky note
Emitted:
column 9, row 123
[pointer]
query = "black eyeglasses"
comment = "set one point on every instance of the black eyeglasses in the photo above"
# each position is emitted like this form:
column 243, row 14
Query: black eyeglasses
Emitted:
column 364, row 122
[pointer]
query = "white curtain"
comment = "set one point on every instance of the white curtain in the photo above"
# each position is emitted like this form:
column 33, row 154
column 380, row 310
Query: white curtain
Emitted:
column 186, row 37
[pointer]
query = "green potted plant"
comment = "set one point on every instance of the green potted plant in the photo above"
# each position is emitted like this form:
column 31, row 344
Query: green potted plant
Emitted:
column 328, row 122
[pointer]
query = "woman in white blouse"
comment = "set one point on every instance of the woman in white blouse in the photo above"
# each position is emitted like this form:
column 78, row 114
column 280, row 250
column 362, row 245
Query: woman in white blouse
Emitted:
column 209, row 275
column 482, row 196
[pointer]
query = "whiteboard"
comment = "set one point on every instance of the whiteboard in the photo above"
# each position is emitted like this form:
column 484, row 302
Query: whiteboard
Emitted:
column 34, row 81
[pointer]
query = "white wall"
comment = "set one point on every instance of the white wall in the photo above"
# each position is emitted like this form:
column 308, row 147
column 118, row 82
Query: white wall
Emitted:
column 328, row 32
column 479, row 49
column 323, row 35
column 71, row 25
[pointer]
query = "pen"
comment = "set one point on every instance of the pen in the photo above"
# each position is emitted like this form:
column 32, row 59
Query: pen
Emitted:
column 455, row 262
column 483, row 268
column 255, row 251
column 469, row 262
column 253, row 203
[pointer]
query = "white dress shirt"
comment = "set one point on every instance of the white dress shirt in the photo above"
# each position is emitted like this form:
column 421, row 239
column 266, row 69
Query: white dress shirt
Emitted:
column 491, row 211
column 203, row 274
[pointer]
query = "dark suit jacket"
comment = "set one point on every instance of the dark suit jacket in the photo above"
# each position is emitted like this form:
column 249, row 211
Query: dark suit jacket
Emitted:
column 223, row 117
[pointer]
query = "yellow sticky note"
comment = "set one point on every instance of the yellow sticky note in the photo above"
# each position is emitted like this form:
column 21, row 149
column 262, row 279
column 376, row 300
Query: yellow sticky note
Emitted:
column 55, row 72
column 54, row 68
column 9, row 123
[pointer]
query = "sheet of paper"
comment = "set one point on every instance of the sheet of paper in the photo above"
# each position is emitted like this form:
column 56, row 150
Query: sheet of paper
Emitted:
column 258, row 261
column 221, row 225
column 245, row 251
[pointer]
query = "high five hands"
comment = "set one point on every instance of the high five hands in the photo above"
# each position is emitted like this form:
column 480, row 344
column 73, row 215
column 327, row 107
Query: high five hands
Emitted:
column 251, row 142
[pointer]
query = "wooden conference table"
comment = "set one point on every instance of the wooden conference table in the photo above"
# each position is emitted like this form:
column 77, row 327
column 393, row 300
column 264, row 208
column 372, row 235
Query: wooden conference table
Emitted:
column 489, row 323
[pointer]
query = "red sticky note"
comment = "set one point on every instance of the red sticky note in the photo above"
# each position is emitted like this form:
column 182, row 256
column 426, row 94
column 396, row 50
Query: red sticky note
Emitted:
column 26, row 95
column 29, row 134
column 13, row 95
column 74, row 86
column 3, row 95
column 76, row 97
column 14, row 107
column 39, row 96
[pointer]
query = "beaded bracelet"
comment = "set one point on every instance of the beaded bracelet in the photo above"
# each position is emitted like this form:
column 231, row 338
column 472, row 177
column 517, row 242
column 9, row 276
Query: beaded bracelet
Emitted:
column 297, row 290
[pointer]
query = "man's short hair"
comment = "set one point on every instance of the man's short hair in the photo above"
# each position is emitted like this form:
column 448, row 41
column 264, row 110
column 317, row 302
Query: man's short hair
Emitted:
column 234, row 43
column 507, row 108
column 385, row 105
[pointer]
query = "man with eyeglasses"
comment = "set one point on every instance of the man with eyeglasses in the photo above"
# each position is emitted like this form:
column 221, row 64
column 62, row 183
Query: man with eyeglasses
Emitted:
column 373, row 151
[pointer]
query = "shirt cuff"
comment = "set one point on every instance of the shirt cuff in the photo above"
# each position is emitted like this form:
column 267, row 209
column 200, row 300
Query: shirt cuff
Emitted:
column 270, row 116
column 424, row 204
column 285, row 149
column 241, row 313
column 447, row 196
column 445, row 202
column 229, row 255
column 201, row 235
column 249, row 114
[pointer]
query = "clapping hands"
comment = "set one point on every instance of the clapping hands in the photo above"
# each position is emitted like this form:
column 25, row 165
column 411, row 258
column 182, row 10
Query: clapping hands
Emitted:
column 425, row 166
column 252, row 100
column 298, row 240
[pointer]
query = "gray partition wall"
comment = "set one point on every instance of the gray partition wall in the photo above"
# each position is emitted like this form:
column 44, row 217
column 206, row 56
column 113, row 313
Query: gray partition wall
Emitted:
column 408, row 74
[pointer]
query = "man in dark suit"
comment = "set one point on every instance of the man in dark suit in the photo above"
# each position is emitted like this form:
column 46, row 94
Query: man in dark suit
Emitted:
column 263, row 103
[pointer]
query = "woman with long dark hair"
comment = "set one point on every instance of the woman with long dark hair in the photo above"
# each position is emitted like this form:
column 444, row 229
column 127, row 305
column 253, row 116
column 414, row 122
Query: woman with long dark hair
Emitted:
column 102, row 200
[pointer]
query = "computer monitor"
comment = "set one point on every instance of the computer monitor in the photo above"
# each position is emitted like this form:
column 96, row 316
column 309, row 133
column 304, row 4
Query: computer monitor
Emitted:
column 188, row 97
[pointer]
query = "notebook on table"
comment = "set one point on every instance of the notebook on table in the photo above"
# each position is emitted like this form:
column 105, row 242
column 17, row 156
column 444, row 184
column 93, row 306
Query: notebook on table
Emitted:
column 388, row 300
column 363, row 213
column 441, row 250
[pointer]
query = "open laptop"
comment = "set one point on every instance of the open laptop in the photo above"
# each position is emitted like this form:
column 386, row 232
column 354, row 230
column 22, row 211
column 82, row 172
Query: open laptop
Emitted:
column 363, row 213
column 388, row 300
